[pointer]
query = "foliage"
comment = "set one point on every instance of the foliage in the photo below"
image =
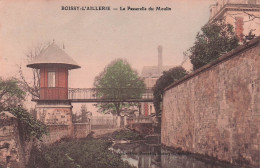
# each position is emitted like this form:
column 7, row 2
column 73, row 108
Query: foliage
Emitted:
column 84, row 112
column 10, row 93
column 249, row 36
column 118, row 82
column 168, row 77
column 11, row 97
column 80, row 154
column 213, row 40
column 126, row 135
column 82, row 117
column 28, row 126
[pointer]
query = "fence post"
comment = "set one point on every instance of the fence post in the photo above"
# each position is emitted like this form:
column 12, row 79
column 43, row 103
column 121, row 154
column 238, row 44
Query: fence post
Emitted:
column 118, row 121
column 125, row 121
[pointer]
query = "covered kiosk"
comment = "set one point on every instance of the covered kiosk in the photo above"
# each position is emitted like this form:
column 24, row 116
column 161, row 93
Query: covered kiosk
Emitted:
column 53, row 107
column 54, row 64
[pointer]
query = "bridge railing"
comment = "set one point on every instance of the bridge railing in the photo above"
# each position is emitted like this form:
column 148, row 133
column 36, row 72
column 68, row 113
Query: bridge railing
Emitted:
column 96, row 94
column 82, row 93
column 110, row 93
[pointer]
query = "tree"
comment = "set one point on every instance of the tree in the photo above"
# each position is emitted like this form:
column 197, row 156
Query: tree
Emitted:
column 11, row 98
column 82, row 116
column 168, row 77
column 10, row 93
column 32, row 86
column 84, row 113
column 213, row 40
column 118, row 82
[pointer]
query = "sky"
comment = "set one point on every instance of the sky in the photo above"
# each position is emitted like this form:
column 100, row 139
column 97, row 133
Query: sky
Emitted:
column 95, row 38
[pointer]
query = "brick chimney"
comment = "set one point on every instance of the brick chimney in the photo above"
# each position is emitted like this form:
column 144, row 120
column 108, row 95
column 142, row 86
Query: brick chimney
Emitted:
column 239, row 27
column 160, row 63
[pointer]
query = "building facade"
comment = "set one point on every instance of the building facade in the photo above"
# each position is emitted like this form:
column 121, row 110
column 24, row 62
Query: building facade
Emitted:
column 150, row 74
column 243, row 15
column 53, row 106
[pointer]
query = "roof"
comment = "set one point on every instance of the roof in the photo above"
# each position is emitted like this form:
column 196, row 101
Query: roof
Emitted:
column 153, row 71
column 53, row 55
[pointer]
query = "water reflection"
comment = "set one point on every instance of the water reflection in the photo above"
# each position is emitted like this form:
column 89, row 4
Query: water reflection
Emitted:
column 142, row 155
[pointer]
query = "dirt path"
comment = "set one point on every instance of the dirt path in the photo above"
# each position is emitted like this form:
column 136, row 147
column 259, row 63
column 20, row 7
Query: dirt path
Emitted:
column 99, row 133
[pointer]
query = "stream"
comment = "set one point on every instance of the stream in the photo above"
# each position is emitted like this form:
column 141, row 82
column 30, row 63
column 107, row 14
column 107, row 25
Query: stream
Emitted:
column 142, row 155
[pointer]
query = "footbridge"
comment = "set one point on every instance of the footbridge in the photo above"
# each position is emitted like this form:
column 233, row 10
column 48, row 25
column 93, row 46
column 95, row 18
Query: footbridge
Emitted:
column 96, row 95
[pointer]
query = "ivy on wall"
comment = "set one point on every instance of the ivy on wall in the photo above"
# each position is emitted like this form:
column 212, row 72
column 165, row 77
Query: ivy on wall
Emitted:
column 28, row 126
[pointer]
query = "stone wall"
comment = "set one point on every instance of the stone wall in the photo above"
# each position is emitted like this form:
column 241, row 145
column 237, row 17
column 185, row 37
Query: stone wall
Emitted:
column 81, row 130
column 54, row 114
column 104, row 122
column 215, row 111
column 58, row 117
column 14, row 152
column 56, row 133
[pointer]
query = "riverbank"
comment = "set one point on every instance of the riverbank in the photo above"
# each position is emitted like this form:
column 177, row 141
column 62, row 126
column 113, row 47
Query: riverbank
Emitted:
column 119, row 149
column 142, row 154
column 84, row 153
column 205, row 158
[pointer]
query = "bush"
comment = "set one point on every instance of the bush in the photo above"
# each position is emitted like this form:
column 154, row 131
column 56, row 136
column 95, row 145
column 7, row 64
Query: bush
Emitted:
column 126, row 135
column 76, row 154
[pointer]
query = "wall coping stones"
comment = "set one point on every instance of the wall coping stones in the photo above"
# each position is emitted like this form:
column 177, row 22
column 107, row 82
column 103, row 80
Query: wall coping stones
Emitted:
column 80, row 123
column 58, row 125
column 54, row 106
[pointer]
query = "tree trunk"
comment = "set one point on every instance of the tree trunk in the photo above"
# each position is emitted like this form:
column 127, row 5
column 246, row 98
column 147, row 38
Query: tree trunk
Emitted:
column 117, row 105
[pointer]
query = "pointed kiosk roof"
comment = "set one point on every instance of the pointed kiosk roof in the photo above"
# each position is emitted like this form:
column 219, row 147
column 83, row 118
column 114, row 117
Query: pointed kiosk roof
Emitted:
column 53, row 56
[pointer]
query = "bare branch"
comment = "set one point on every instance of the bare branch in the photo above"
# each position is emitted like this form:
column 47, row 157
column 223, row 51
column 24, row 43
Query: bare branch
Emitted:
column 252, row 17
column 32, row 86
column 26, row 86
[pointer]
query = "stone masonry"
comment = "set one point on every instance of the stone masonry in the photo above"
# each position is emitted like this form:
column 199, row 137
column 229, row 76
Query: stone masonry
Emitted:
column 58, row 117
column 215, row 111
column 14, row 152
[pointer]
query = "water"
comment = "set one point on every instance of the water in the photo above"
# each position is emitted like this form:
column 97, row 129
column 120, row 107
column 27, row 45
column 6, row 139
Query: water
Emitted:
column 142, row 155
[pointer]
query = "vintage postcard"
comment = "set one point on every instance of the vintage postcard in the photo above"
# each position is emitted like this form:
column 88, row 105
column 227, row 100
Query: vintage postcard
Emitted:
column 129, row 83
